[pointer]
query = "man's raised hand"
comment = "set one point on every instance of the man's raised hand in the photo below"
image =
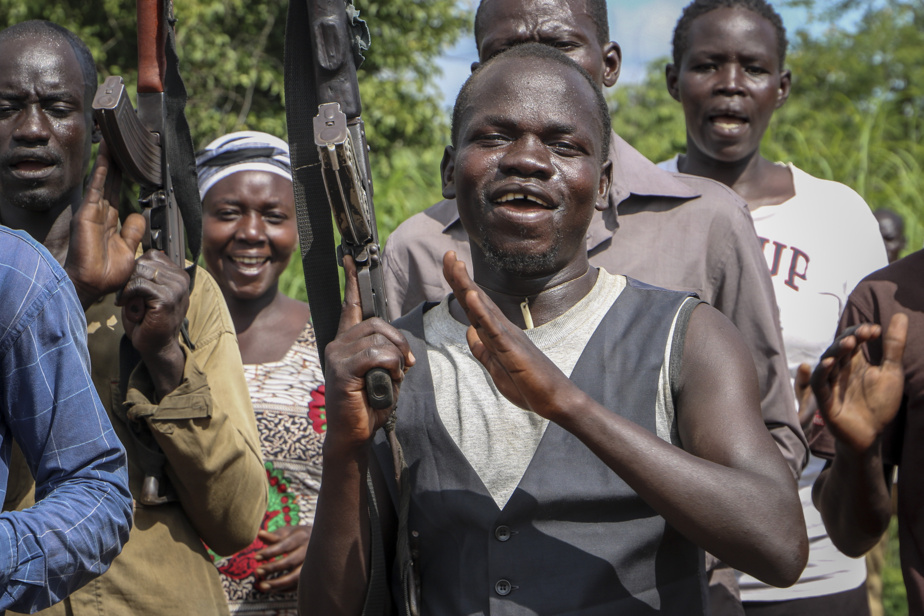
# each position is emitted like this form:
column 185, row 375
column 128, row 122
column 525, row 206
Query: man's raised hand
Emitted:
column 100, row 256
column 858, row 400
column 359, row 347
column 521, row 372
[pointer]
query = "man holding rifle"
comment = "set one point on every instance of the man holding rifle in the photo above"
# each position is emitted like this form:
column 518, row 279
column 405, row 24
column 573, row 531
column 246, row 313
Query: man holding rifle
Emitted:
column 180, row 406
column 531, row 492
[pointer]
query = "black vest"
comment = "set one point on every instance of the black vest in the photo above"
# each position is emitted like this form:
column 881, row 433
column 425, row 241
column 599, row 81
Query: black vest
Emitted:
column 573, row 539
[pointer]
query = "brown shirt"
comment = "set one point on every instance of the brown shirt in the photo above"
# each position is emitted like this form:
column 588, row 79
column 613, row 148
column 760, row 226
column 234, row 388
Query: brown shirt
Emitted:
column 207, row 433
column 676, row 231
column 893, row 289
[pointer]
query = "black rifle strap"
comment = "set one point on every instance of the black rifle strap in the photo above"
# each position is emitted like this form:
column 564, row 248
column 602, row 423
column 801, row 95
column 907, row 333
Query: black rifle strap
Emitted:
column 315, row 229
column 180, row 152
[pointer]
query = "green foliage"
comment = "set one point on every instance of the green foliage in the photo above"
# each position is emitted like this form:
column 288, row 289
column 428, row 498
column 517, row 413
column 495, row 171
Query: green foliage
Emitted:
column 894, row 595
column 648, row 117
column 855, row 115
column 231, row 55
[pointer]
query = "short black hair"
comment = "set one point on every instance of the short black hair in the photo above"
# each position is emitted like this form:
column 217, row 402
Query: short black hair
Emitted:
column 41, row 28
column 596, row 8
column 540, row 52
column 698, row 8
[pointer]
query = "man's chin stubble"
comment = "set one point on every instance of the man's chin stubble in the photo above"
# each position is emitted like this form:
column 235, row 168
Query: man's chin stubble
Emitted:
column 526, row 265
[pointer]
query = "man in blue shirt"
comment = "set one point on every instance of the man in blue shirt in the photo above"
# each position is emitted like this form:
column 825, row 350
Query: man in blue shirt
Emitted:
column 49, row 406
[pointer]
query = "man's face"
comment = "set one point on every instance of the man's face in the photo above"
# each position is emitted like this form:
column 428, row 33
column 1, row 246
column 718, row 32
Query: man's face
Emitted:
column 563, row 24
column 730, row 82
column 527, row 171
column 45, row 127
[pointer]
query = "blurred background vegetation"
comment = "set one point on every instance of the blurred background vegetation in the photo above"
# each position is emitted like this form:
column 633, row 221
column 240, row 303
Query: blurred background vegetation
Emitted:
column 856, row 113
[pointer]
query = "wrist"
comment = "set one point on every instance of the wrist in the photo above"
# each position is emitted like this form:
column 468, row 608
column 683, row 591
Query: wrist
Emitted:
column 165, row 367
column 87, row 294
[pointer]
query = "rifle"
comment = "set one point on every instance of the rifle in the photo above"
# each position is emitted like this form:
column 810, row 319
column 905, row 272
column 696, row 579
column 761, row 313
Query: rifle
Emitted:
column 137, row 140
column 338, row 37
column 154, row 149
column 324, row 44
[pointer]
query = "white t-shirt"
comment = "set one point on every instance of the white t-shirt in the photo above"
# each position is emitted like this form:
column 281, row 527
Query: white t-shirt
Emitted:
column 818, row 245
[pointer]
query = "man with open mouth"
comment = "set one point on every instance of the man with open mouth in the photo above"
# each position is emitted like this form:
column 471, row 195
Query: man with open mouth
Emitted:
column 573, row 438
column 180, row 406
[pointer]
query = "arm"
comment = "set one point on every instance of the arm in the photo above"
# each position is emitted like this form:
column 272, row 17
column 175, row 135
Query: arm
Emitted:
column 208, row 434
column 50, row 406
column 743, row 292
column 734, row 497
column 336, row 570
column 206, row 428
column 857, row 402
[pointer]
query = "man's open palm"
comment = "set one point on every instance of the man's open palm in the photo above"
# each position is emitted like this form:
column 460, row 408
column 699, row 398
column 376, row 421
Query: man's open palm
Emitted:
column 856, row 399
column 100, row 256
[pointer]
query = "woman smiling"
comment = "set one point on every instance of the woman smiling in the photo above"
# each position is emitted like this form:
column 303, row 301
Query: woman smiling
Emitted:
column 249, row 235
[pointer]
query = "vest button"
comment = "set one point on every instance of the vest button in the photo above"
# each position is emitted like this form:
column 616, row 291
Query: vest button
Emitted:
column 502, row 533
column 503, row 588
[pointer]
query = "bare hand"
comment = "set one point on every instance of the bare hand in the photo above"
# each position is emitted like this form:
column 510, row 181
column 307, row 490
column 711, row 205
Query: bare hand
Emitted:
column 521, row 372
column 100, row 257
column 359, row 347
column 858, row 400
column 289, row 542
column 154, row 304
column 805, row 399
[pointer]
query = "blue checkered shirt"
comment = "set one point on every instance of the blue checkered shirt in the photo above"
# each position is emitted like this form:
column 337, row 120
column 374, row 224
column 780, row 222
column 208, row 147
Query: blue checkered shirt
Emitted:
column 49, row 406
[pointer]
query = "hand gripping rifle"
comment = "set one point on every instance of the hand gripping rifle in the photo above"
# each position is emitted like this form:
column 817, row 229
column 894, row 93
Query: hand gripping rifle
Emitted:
column 324, row 44
column 154, row 149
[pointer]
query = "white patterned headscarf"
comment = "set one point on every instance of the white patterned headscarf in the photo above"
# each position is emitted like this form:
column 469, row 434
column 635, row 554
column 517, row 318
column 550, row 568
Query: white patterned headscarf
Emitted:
column 242, row 151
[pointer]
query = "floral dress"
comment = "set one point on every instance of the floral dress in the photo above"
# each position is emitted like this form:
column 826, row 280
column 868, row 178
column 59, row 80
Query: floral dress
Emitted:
column 288, row 403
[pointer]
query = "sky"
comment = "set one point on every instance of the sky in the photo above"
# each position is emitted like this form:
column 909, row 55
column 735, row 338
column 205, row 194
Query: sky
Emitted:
column 643, row 28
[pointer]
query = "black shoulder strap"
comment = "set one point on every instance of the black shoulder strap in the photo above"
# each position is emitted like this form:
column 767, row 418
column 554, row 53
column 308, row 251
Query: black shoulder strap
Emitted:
column 315, row 230
column 180, row 151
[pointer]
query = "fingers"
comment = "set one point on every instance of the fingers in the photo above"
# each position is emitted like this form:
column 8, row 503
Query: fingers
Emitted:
column 282, row 583
column 285, row 539
column 289, row 542
column 113, row 187
column 352, row 312
column 159, row 285
column 893, row 342
column 93, row 205
column 803, row 377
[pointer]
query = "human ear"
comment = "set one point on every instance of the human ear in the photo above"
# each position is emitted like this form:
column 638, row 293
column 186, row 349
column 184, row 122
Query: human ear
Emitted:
column 785, row 86
column 447, row 172
column 671, row 76
column 606, row 179
column 612, row 63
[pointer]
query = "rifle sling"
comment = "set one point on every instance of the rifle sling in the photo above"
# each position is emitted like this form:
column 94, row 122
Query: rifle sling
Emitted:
column 315, row 229
column 180, row 151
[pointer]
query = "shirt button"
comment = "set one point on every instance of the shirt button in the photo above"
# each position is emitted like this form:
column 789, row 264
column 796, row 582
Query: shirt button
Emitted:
column 502, row 587
column 502, row 533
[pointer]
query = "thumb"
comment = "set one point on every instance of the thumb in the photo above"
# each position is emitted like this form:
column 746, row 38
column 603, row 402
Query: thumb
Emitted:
column 352, row 312
column 133, row 230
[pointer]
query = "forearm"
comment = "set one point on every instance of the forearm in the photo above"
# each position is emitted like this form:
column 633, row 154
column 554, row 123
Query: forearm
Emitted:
column 166, row 368
column 336, row 571
column 726, row 511
column 209, row 437
column 854, row 500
